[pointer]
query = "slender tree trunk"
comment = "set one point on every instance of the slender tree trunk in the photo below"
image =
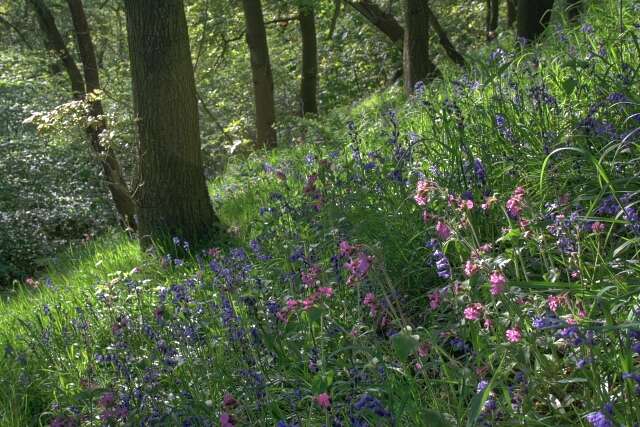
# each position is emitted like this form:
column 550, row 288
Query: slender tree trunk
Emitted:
column 444, row 39
column 382, row 20
column 110, row 167
column 17, row 30
column 511, row 12
column 173, row 199
column 493, row 9
column 54, row 41
column 261, row 71
column 574, row 9
column 309, row 84
column 533, row 17
column 337, row 5
column 122, row 199
column 416, row 64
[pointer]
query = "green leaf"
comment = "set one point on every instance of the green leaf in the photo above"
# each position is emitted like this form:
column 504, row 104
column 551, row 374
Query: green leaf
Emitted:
column 404, row 344
column 433, row 418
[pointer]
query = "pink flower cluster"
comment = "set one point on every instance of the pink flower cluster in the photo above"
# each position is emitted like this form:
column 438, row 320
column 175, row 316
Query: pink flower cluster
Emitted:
column 423, row 188
column 370, row 301
column 513, row 335
column 358, row 267
column 497, row 281
column 474, row 311
column 515, row 203
column 305, row 304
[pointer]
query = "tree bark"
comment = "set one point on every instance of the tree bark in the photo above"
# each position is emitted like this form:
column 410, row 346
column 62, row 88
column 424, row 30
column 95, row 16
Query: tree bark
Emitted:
column 444, row 39
column 261, row 71
column 574, row 9
column 511, row 12
column 383, row 21
column 533, row 17
column 416, row 63
column 122, row 199
column 173, row 199
column 111, row 169
column 309, row 83
column 55, row 42
column 493, row 9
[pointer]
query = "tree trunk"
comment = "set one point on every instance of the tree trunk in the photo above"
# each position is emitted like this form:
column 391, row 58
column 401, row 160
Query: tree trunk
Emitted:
column 309, row 84
column 382, row 20
column 444, row 39
column 533, row 17
column 173, row 199
column 511, row 13
column 122, row 199
column 54, row 41
column 416, row 64
column 574, row 9
column 261, row 71
column 111, row 168
column 493, row 9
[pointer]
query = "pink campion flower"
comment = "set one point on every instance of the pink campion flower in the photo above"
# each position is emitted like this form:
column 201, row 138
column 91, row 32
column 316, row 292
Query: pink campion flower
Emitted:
column 488, row 323
column 513, row 335
column 326, row 291
column 486, row 248
column 418, row 366
column 597, row 227
column 310, row 276
column 471, row 268
column 228, row 401
column 466, row 204
column 423, row 350
column 443, row 230
column 307, row 303
column 358, row 267
column 423, row 188
column 497, row 281
column 575, row 275
column 226, row 420
column 426, row 217
column 345, row 248
column 474, row 311
column 434, row 300
column 515, row 203
column 370, row 301
column 292, row 304
column 323, row 400
column 553, row 302
column 214, row 252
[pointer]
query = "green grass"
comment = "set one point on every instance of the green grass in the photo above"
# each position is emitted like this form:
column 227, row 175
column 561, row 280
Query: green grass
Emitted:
column 169, row 340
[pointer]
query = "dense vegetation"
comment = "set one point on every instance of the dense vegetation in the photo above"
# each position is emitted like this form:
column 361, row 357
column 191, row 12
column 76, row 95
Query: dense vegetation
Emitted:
column 464, row 255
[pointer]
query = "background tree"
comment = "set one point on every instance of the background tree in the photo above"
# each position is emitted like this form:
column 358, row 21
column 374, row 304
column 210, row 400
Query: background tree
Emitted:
column 511, row 12
column 261, row 72
column 533, row 17
column 88, row 86
column 416, row 63
column 574, row 8
column 309, row 83
column 173, row 199
column 492, row 11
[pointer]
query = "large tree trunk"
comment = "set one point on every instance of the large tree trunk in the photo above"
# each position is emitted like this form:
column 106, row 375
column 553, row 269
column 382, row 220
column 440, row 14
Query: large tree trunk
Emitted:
column 173, row 199
column 110, row 166
column 122, row 199
column 493, row 9
column 511, row 12
column 416, row 64
column 261, row 72
column 309, row 84
column 533, row 17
